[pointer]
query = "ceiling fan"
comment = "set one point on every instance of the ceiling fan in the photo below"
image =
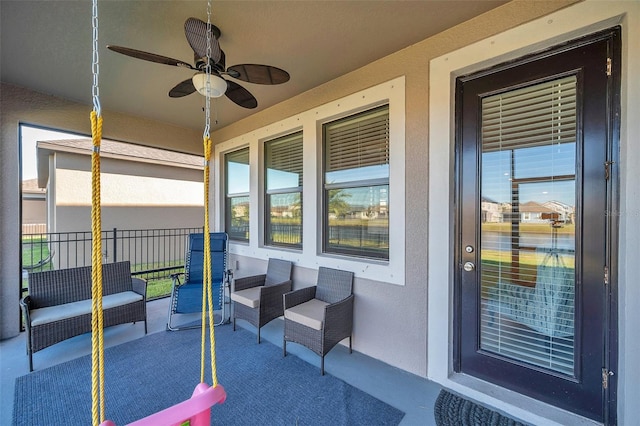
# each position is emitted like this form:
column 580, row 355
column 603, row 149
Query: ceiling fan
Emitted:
column 196, row 32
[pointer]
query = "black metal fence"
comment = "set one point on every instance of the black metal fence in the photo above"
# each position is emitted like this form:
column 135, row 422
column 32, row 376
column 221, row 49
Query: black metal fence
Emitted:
column 359, row 240
column 154, row 253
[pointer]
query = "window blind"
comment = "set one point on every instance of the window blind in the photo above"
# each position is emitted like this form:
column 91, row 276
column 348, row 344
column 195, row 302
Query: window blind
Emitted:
column 285, row 155
column 528, row 224
column 241, row 156
column 358, row 141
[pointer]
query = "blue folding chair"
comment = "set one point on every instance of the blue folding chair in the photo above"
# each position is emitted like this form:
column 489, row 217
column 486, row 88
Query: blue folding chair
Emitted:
column 186, row 296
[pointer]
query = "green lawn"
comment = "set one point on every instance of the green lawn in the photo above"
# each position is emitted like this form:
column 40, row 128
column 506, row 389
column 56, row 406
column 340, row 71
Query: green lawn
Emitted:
column 158, row 288
column 33, row 251
column 527, row 228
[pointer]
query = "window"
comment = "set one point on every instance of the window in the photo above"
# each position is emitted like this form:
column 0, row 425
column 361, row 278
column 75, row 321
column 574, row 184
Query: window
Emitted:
column 283, row 187
column 237, row 202
column 356, row 185
column 337, row 213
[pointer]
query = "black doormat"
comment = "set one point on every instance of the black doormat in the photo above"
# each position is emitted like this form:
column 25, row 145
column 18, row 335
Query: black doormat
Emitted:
column 452, row 410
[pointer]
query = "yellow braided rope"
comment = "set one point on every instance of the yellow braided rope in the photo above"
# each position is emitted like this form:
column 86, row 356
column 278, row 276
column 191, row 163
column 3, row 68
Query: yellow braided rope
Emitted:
column 97, row 315
column 207, row 293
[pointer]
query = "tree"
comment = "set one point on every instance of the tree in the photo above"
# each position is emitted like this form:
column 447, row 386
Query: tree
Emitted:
column 338, row 204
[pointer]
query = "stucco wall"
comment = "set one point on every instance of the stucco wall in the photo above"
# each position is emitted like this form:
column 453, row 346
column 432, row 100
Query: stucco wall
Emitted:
column 125, row 183
column 34, row 210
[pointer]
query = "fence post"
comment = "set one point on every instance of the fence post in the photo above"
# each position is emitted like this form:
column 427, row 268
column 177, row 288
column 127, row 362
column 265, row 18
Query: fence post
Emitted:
column 115, row 245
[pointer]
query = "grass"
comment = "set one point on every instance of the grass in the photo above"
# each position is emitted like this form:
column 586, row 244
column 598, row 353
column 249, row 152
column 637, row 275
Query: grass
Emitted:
column 158, row 283
column 527, row 228
column 158, row 288
column 33, row 251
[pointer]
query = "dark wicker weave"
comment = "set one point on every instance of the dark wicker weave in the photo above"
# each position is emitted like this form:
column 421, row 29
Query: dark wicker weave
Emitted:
column 274, row 284
column 336, row 288
column 453, row 410
column 52, row 288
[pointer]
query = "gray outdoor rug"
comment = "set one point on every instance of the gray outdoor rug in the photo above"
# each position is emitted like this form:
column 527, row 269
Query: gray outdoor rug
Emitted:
column 149, row 374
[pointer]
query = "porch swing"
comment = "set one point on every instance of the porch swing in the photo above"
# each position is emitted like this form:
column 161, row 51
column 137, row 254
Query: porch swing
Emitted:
column 194, row 411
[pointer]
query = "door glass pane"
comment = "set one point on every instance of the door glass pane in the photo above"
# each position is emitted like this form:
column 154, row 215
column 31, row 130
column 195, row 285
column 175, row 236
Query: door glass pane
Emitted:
column 528, row 221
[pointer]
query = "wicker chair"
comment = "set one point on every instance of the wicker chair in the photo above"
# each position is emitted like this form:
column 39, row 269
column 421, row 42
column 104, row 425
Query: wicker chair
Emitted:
column 321, row 316
column 258, row 299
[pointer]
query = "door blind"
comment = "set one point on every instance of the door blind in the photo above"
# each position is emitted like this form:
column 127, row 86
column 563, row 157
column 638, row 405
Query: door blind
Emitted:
column 533, row 116
column 528, row 224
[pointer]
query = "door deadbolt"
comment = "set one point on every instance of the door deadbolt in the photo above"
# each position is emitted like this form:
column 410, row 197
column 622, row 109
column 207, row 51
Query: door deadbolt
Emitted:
column 469, row 266
column 468, row 249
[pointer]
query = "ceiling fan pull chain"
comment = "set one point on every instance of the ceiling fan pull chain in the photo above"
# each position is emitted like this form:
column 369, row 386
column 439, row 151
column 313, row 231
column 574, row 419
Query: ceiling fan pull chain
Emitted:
column 95, row 66
column 207, row 98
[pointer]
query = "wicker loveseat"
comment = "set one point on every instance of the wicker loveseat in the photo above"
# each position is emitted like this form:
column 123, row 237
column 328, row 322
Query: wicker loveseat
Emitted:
column 58, row 306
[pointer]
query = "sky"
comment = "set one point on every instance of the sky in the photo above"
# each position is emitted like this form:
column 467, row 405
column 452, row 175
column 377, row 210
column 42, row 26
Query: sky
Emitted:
column 29, row 137
column 530, row 163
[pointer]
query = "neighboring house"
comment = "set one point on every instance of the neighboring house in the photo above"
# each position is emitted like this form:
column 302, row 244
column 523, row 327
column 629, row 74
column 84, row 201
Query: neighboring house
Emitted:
column 532, row 212
column 491, row 211
column 418, row 309
column 34, row 208
column 141, row 188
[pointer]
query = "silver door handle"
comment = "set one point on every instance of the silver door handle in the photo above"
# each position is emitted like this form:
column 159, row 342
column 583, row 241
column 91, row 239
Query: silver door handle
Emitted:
column 469, row 266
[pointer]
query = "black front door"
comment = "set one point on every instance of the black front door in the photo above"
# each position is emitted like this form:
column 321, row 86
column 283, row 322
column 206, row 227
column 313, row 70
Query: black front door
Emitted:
column 534, row 159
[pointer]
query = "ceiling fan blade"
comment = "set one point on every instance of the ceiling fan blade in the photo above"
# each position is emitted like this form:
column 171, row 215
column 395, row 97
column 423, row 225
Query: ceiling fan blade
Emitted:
column 182, row 89
column 259, row 74
column 151, row 57
column 196, row 32
column 240, row 95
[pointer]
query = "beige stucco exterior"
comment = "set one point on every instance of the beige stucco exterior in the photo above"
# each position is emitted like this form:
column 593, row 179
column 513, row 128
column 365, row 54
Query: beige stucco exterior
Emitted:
column 34, row 207
column 406, row 325
column 134, row 195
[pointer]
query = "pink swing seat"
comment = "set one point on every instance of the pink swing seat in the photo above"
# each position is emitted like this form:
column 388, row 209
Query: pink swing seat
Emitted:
column 195, row 411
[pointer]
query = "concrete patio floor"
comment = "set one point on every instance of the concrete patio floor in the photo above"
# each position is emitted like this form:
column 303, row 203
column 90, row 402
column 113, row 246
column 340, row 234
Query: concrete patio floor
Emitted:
column 412, row 394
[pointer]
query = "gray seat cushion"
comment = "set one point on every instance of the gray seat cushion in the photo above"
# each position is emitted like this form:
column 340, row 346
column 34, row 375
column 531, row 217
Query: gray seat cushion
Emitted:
column 310, row 314
column 249, row 297
column 81, row 307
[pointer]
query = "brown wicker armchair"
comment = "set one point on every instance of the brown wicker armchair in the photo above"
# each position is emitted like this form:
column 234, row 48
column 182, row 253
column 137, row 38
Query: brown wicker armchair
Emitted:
column 321, row 316
column 258, row 299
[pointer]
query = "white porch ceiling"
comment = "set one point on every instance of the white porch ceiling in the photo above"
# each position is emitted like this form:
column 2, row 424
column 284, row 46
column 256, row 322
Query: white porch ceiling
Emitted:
column 46, row 46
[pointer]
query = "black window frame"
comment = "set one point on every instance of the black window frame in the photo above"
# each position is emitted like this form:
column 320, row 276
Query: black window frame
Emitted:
column 327, row 248
column 296, row 137
column 235, row 235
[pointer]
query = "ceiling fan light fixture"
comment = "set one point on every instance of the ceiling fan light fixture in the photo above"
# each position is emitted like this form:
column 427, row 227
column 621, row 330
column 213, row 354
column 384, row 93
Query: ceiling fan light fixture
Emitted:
column 217, row 85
